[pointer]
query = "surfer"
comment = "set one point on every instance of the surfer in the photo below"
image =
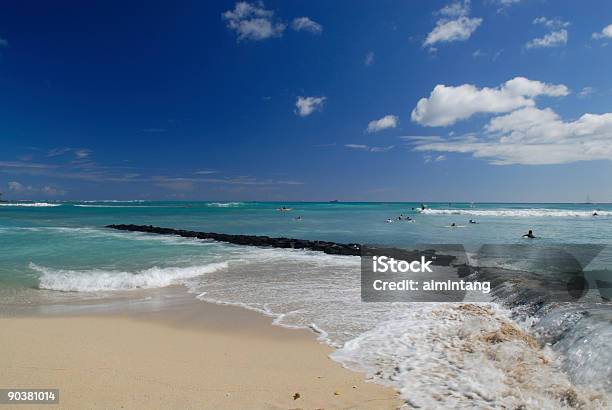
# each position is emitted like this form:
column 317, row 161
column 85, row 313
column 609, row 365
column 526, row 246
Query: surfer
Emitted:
column 422, row 206
column 595, row 213
column 453, row 225
column 389, row 221
column 529, row 235
column 473, row 221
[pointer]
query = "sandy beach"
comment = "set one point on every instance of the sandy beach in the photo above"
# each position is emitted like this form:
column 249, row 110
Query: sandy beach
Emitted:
column 203, row 356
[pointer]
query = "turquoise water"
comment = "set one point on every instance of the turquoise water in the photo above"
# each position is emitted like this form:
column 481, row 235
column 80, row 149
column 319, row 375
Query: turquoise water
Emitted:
column 59, row 253
column 70, row 235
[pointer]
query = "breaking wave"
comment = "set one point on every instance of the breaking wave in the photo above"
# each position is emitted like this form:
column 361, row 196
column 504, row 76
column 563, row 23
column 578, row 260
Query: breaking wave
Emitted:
column 106, row 280
column 533, row 212
column 29, row 204
column 224, row 204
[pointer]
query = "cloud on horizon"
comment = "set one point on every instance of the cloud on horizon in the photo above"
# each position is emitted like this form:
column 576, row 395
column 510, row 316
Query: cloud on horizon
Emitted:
column 28, row 190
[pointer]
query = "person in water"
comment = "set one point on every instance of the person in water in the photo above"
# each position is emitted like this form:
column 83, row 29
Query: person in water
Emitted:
column 473, row 221
column 422, row 207
column 453, row 224
column 529, row 235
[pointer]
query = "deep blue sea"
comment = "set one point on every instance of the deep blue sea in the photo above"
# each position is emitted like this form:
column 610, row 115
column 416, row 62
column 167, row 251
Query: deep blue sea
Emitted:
column 435, row 354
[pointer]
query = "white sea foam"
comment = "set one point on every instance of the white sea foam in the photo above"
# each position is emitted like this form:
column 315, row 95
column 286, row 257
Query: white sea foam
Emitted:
column 532, row 212
column 115, row 200
column 29, row 204
column 224, row 204
column 108, row 280
column 436, row 355
column 121, row 206
column 445, row 356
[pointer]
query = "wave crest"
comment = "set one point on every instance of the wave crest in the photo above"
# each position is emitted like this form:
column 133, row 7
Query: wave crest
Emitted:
column 30, row 204
column 532, row 212
column 224, row 204
column 103, row 280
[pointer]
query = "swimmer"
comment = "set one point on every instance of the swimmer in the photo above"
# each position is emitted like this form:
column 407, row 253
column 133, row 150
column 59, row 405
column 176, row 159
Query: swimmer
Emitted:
column 422, row 207
column 298, row 218
column 529, row 235
column 473, row 221
column 389, row 221
column 595, row 213
column 453, row 225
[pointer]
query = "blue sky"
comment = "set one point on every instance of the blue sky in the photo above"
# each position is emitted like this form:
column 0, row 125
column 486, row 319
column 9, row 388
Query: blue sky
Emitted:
column 488, row 100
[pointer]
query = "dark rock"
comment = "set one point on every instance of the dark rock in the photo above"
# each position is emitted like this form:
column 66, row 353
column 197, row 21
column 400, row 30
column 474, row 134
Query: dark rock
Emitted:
column 251, row 240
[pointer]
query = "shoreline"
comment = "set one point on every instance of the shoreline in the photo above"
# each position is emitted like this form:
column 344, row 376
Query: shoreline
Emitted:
column 187, row 355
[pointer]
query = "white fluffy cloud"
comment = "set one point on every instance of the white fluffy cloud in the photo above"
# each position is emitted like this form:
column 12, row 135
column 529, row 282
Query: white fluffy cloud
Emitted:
column 386, row 122
column 454, row 24
column 606, row 32
column 557, row 37
column 253, row 22
column 447, row 104
column 304, row 106
column 552, row 39
column 533, row 136
column 306, row 24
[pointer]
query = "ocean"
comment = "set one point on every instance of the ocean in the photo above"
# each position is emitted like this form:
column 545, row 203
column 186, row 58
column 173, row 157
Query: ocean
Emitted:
column 439, row 355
